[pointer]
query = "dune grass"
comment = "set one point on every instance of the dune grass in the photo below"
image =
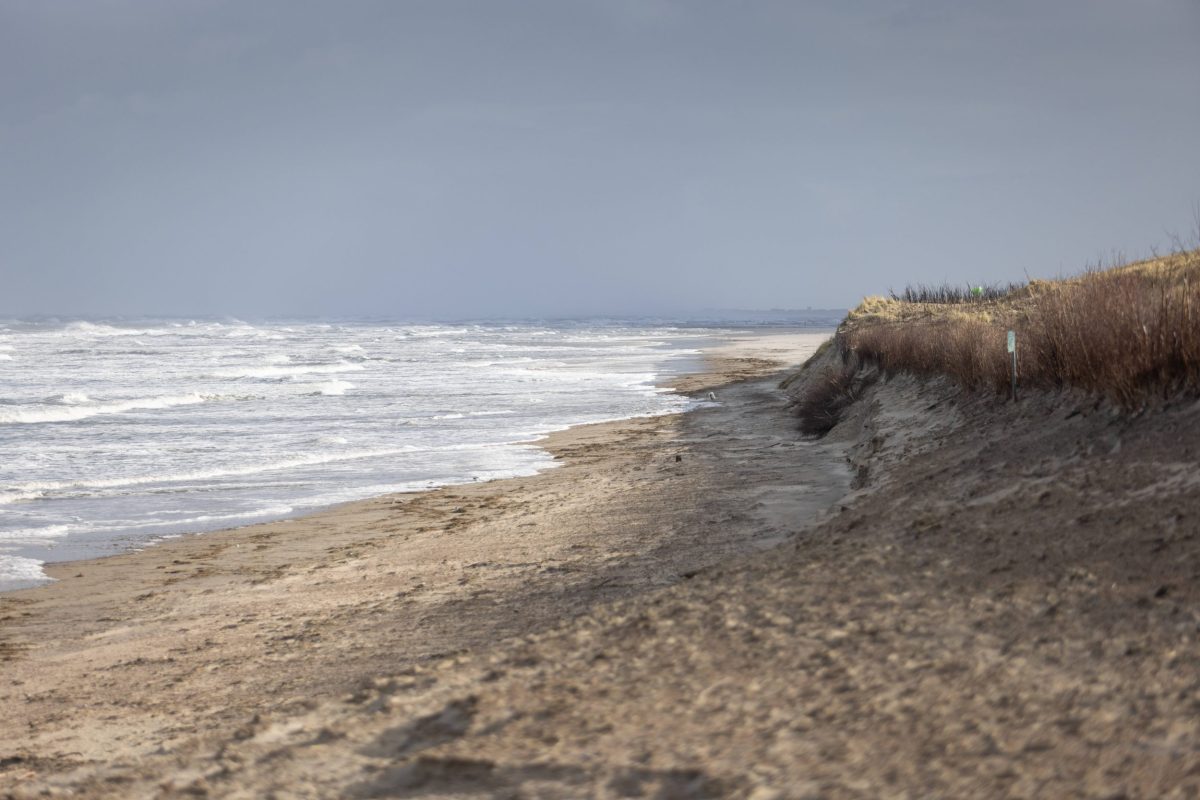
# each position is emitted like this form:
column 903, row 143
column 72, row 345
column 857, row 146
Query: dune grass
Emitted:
column 947, row 293
column 1131, row 333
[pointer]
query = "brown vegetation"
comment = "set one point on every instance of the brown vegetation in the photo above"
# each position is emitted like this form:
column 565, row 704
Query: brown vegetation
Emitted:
column 1131, row 333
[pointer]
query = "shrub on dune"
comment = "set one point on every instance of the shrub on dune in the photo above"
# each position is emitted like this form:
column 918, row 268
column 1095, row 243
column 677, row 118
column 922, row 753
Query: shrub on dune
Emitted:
column 1131, row 333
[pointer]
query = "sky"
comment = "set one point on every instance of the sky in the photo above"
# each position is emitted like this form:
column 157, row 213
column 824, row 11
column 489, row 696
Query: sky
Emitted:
column 452, row 159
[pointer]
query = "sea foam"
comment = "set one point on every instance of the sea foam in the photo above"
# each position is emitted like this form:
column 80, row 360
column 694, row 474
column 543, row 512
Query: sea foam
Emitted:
column 154, row 438
column 287, row 372
column 74, row 410
column 35, row 490
column 334, row 388
column 18, row 572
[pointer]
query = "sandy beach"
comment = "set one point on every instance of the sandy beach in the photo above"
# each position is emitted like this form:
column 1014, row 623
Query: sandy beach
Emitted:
column 147, row 652
column 948, row 596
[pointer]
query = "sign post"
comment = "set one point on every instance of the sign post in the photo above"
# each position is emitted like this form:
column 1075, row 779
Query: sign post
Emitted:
column 1012, row 348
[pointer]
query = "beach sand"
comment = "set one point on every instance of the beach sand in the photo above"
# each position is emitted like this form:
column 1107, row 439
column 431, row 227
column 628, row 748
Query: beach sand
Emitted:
column 146, row 652
column 948, row 596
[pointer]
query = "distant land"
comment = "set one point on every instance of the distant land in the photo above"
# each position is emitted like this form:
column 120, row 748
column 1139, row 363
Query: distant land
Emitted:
column 802, row 317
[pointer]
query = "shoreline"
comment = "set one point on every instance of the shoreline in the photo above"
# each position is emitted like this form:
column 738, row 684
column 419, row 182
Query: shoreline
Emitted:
column 739, row 357
column 711, row 372
column 144, row 651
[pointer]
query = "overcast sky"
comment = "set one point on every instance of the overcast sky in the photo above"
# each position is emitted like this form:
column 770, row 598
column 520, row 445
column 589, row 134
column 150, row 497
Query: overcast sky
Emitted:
column 568, row 157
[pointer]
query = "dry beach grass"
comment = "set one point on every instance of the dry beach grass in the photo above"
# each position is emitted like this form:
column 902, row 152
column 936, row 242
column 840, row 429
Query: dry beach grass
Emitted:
column 1131, row 333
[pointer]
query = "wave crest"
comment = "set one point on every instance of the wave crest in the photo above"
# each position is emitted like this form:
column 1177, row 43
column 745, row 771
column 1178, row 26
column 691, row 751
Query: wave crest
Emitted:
column 287, row 371
column 333, row 388
column 75, row 407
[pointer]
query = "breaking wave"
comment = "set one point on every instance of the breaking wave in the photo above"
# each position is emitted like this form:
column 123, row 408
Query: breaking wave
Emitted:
column 287, row 372
column 78, row 408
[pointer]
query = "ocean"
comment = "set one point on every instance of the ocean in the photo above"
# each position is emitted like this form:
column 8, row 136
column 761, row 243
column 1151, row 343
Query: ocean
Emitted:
column 115, row 435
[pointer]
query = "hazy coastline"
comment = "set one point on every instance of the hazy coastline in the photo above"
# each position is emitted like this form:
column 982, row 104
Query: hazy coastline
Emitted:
column 117, row 435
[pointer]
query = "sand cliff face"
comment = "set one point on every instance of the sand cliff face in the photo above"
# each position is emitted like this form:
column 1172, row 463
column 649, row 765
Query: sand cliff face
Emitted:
column 1005, row 603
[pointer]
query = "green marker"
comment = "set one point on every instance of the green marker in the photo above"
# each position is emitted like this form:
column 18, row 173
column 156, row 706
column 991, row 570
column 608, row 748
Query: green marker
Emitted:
column 977, row 291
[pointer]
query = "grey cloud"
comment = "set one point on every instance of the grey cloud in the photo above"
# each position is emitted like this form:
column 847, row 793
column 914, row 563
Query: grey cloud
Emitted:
column 473, row 158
